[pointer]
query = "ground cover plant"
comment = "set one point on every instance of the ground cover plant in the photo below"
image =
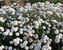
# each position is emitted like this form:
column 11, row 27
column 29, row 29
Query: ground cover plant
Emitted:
column 33, row 27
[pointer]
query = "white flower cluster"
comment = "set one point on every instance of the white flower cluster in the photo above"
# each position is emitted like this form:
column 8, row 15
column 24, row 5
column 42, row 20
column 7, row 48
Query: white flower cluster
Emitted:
column 58, row 37
column 1, row 47
column 2, row 20
column 33, row 27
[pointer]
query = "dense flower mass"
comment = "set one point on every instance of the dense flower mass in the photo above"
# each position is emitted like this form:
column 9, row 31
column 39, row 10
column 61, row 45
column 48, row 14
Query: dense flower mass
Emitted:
column 33, row 27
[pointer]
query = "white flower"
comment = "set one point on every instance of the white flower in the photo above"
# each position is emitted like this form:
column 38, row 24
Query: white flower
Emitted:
column 57, row 40
column 30, row 33
column 34, row 6
column 49, row 12
column 31, row 47
column 47, row 2
column 20, row 17
column 45, row 38
column 14, row 29
column 17, row 34
column 61, row 30
column 11, row 42
column 35, row 36
column 25, row 42
column 5, row 33
column 21, row 40
column 48, row 31
column 58, row 37
column 2, row 20
column 24, row 38
column 44, row 27
column 56, row 31
column 10, row 48
column 14, row 23
column 36, row 24
column 11, row 10
column 2, row 12
column 2, row 46
column 16, row 43
column 14, row 40
column 46, row 47
column 22, row 45
column 18, row 38
column 26, row 47
column 36, row 48
column 38, row 45
column 1, row 28
column 14, row 3
column 21, row 31
column 27, row 19
column 59, row 4
column 7, row 30
column 6, row 47
column 29, row 27
column 10, row 34
column 14, row 49
column 36, row 27
column 55, row 21
column 54, row 27
column 30, row 40
column 33, row 31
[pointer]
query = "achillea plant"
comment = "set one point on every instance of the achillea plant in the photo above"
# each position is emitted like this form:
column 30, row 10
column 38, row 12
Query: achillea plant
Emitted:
column 33, row 27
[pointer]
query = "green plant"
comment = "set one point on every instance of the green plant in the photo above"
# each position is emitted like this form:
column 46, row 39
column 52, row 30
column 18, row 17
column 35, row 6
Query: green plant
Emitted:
column 2, row 3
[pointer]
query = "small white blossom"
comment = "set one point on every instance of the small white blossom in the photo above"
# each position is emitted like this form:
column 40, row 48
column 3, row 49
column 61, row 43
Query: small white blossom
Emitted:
column 2, row 20
column 10, row 48
column 11, row 42
column 44, row 27
column 1, row 28
column 6, row 47
column 26, row 47
column 10, row 33
column 17, row 34
column 49, row 12
column 57, row 32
